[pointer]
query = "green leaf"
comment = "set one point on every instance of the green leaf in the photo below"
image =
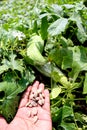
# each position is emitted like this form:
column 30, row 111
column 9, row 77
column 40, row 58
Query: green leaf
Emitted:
column 79, row 61
column 67, row 60
column 55, row 92
column 60, row 115
column 85, row 85
column 53, row 128
column 12, row 63
column 57, row 9
column 68, row 126
column 9, row 99
column 56, row 55
column 79, row 117
column 3, row 68
column 67, row 112
column 56, row 114
column 16, row 64
column 44, row 26
column 34, row 50
column 81, row 34
column 58, row 26
column 58, row 76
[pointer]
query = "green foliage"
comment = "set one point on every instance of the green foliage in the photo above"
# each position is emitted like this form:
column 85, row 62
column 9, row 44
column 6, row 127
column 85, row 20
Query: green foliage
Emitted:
column 48, row 37
column 55, row 92
column 57, row 27
column 12, row 64
column 9, row 99
column 34, row 49
column 85, row 84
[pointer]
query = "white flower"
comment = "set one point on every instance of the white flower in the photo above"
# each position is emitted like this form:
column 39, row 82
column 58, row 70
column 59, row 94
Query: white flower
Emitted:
column 18, row 34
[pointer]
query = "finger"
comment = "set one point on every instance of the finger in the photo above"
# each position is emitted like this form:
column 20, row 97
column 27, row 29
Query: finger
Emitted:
column 25, row 97
column 35, row 86
column 41, row 86
column 46, row 105
column 26, row 93
column 3, row 123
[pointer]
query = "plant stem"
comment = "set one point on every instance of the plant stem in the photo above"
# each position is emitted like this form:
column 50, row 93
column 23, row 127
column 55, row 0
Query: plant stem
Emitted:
column 76, row 99
column 55, row 104
column 74, row 119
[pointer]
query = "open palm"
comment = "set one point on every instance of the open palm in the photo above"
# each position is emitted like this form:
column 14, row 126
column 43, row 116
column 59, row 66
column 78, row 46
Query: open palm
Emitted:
column 23, row 120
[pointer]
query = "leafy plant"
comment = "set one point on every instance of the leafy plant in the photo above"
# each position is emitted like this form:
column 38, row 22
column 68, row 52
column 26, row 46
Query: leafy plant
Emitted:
column 9, row 99
column 45, row 39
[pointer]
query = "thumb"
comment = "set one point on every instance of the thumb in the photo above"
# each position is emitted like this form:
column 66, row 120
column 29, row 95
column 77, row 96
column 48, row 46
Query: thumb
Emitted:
column 47, row 100
column 3, row 123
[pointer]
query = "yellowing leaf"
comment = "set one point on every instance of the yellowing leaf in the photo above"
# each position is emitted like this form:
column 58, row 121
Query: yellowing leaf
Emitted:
column 55, row 92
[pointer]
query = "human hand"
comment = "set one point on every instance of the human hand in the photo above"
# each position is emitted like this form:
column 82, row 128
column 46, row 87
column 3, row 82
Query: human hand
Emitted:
column 24, row 120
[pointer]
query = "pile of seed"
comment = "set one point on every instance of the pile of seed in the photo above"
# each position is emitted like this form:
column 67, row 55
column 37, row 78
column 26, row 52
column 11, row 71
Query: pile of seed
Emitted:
column 33, row 114
column 36, row 98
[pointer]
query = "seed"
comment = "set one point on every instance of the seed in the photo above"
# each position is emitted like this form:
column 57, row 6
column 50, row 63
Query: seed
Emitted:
column 43, row 101
column 34, row 111
column 28, row 104
column 33, row 99
column 32, row 93
column 40, row 102
column 39, row 90
column 29, row 113
column 43, row 95
column 35, row 94
column 40, row 95
column 37, row 98
column 35, row 119
column 31, row 96
column 34, row 104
